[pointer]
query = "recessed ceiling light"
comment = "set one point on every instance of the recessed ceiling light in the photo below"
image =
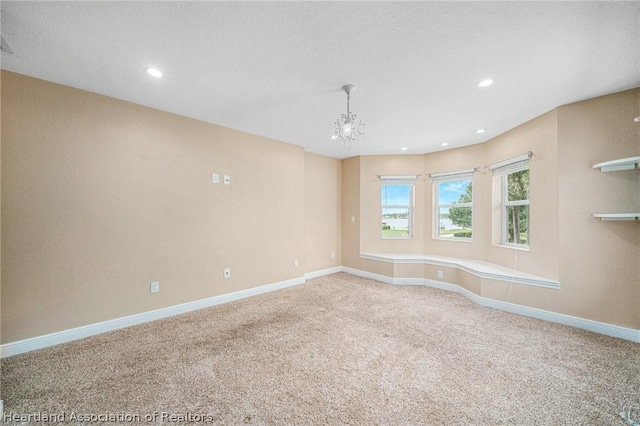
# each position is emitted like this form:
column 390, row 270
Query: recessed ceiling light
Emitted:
column 480, row 131
column 334, row 137
column 485, row 83
column 444, row 144
column 404, row 148
column 153, row 72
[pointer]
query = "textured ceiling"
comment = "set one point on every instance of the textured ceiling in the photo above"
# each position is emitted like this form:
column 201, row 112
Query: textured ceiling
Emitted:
column 275, row 69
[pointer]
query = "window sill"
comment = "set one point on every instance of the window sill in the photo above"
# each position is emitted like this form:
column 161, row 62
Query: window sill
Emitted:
column 462, row 240
column 514, row 247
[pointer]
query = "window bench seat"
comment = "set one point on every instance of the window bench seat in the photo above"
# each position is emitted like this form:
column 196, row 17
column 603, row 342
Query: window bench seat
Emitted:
column 478, row 268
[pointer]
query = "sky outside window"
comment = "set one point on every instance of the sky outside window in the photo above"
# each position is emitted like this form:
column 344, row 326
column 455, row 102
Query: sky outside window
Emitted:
column 397, row 195
column 396, row 210
column 450, row 192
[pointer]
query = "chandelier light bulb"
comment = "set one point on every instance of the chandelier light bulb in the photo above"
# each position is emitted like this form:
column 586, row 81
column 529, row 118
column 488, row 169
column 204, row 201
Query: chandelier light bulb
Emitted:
column 346, row 129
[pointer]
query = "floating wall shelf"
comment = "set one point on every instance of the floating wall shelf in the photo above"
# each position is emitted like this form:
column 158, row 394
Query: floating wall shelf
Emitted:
column 617, row 216
column 621, row 164
column 631, row 163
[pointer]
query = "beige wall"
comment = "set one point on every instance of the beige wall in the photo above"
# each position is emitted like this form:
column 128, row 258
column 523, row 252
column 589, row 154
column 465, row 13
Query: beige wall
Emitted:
column 597, row 263
column 100, row 197
column 452, row 160
column 351, row 212
column 322, row 212
column 370, row 203
column 540, row 137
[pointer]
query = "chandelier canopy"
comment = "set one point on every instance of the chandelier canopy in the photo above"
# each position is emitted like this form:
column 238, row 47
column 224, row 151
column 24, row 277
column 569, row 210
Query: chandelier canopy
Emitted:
column 347, row 128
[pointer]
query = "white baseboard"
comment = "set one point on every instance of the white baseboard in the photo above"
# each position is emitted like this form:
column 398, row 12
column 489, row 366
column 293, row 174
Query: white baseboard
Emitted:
column 366, row 274
column 480, row 269
column 39, row 342
column 585, row 324
column 322, row 272
column 27, row 345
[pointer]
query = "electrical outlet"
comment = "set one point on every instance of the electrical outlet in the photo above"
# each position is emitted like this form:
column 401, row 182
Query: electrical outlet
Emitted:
column 333, row 254
column 155, row 287
column 296, row 263
column 215, row 178
column 227, row 272
column 440, row 274
column 353, row 219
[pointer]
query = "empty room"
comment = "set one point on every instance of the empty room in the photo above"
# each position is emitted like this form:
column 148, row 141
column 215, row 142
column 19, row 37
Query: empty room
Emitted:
column 355, row 213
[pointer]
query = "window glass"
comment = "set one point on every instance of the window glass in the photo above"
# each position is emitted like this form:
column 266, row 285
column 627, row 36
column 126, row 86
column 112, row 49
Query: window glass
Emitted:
column 454, row 209
column 516, row 208
column 397, row 202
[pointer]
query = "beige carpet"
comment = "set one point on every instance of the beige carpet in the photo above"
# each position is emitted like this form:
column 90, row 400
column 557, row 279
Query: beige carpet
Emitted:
column 337, row 350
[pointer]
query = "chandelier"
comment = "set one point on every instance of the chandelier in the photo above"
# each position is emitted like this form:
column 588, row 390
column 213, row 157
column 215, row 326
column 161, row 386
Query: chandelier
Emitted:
column 347, row 128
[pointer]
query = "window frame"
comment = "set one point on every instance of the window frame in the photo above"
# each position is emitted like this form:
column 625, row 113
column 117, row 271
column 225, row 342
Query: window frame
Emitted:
column 505, row 210
column 438, row 178
column 409, row 182
column 501, row 172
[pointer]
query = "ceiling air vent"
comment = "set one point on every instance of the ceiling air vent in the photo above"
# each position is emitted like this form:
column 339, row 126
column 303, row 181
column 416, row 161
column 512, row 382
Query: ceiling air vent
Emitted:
column 4, row 46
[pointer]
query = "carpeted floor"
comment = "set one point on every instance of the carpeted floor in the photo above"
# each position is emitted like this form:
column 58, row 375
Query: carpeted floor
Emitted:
column 337, row 350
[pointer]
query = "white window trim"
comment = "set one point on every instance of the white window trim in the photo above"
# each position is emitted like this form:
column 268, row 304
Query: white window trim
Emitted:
column 502, row 170
column 505, row 166
column 450, row 177
column 505, row 206
column 409, row 179
column 400, row 181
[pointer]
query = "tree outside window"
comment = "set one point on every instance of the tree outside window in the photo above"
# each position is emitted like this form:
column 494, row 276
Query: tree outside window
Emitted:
column 454, row 209
column 516, row 208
